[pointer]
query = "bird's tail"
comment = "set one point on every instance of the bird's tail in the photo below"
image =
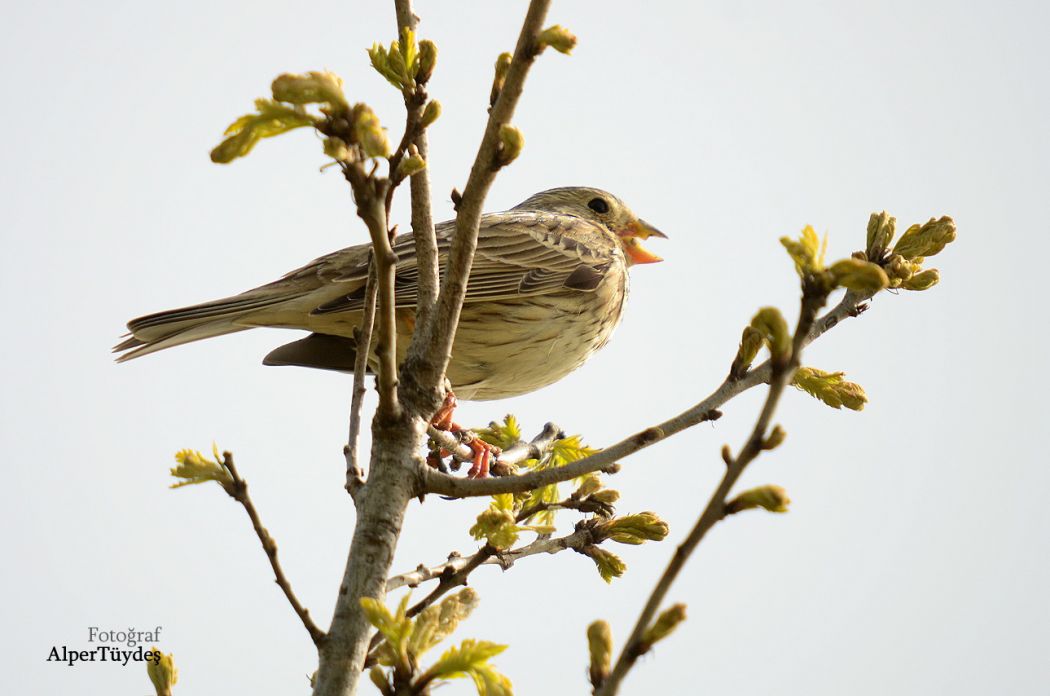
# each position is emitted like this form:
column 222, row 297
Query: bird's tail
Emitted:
column 174, row 327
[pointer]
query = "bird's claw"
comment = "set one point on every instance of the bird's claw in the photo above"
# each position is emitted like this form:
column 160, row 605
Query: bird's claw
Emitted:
column 484, row 453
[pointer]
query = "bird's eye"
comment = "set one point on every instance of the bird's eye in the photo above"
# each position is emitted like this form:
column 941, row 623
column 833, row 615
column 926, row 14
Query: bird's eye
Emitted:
column 598, row 205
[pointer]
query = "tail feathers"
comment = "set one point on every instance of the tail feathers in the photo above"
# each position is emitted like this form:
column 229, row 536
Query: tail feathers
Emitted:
column 136, row 348
column 174, row 327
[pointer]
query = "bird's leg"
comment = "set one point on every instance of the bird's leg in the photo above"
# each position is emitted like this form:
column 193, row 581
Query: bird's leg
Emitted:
column 484, row 453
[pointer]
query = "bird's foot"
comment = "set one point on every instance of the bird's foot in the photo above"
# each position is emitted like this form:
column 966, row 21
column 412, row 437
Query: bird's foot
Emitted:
column 484, row 453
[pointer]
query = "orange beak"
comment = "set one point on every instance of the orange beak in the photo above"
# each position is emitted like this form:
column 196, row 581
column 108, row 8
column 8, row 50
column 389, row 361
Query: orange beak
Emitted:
column 640, row 229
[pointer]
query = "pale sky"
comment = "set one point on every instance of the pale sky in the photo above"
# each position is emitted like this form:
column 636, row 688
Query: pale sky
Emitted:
column 914, row 557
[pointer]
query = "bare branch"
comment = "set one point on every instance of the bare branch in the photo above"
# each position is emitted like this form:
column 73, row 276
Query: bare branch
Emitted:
column 428, row 357
column 355, row 475
column 437, row 482
column 782, row 372
column 239, row 492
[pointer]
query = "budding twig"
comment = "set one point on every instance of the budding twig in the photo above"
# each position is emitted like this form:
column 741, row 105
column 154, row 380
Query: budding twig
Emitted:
column 239, row 492
column 782, row 372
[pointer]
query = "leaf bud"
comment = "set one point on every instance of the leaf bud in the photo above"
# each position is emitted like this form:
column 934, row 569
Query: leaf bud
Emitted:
column 664, row 625
column 161, row 671
column 430, row 113
column 502, row 67
column 557, row 37
column 427, row 61
column 881, row 227
column 859, row 276
column 922, row 281
column 600, row 647
column 768, row 497
column 511, row 141
column 927, row 239
column 769, row 322
column 369, row 133
column 312, row 88
column 774, row 439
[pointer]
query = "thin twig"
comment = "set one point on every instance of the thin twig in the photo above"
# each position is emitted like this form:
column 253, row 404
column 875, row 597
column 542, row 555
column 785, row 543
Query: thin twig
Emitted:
column 457, row 569
column 705, row 410
column 782, row 373
column 355, row 475
column 238, row 490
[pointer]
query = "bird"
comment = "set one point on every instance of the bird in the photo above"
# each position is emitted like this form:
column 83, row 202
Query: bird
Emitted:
column 546, row 290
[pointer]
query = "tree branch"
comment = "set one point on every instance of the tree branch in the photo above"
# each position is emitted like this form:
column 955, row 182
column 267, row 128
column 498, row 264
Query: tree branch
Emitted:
column 428, row 357
column 370, row 196
column 355, row 475
column 578, row 539
column 419, row 187
column 239, row 492
column 444, row 484
column 781, row 375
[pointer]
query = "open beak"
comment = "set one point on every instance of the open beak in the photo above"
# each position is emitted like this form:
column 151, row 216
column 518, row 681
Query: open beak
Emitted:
column 640, row 229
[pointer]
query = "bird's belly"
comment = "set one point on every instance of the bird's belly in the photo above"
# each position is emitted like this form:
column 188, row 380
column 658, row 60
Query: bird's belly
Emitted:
column 507, row 348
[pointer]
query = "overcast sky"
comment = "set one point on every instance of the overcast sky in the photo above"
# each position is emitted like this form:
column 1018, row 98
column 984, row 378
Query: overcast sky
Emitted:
column 914, row 559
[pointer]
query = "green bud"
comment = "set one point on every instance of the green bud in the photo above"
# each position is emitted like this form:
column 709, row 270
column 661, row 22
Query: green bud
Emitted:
column 502, row 67
column 664, row 625
column 774, row 439
column 162, row 672
column 770, row 324
column 381, row 62
column 368, row 132
column 633, row 529
column 922, row 281
column 337, row 149
column 411, row 165
column 427, row 61
column 768, row 497
column 409, row 50
column 430, row 113
column 591, row 484
column 600, row 647
column 312, row 88
column 831, row 388
column 926, row 240
column 609, row 564
column 881, row 227
column 750, row 344
column 379, row 679
column 899, row 269
column 859, row 276
column 193, row 468
column 511, row 141
column 437, row 622
column 395, row 60
column 606, row 496
column 557, row 37
column 807, row 252
column 497, row 527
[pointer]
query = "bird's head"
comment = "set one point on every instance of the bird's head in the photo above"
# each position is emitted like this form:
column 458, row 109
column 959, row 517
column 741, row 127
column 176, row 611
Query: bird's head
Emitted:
column 604, row 209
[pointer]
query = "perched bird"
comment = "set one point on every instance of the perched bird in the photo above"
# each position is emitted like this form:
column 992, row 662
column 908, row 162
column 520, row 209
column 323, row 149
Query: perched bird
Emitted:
column 546, row 290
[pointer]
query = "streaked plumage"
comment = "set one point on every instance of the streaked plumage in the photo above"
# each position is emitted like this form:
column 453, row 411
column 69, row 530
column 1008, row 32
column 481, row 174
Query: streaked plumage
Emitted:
column 546, row 290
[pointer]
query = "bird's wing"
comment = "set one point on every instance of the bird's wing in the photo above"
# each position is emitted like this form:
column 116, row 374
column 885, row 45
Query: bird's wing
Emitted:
column 519, row 254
